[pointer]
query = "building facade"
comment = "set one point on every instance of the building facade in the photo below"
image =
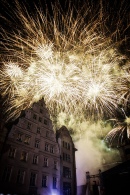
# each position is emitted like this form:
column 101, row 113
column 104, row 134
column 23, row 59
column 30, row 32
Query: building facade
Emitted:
column 67, row 162
column 30, row 162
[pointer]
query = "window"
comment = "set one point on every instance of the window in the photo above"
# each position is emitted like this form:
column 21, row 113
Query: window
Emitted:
column 38, row 130
column 35, row 159
column 33, row 179
column 44, row 181
column 66, row 188
column 7, row 174
column 19, row 137
column 54, row 182
column 51, row 149
column 40, row 119
column 45, row 122
column 24, row 156
column 12, row 152
column 66, row 157
column 46, row 147
column 35, row 116
column 45, row 162
column 29, row 125
column 66, row 172
column 47, row 133
column 66, row 145
column 41, row 111
column 55, row 164
column 27, row 139
column 20, row 176
column 37, row 143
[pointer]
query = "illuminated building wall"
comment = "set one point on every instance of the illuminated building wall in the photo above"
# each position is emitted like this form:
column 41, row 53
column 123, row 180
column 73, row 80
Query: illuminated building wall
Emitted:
column 31, row 161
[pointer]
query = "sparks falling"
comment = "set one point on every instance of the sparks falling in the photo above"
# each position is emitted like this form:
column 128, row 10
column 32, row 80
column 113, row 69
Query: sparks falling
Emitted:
column 66, row 57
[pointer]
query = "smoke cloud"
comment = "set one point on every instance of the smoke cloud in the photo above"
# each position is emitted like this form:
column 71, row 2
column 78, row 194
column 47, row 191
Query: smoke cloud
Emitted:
column 92, row 153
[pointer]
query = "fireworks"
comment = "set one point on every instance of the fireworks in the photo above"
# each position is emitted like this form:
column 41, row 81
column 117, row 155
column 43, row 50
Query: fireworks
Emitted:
column 121, row 131
column 68, row 60
column 119, row 134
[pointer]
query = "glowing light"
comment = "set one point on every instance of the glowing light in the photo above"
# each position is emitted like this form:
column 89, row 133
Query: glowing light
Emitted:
column 120, row 132
column 70, row 63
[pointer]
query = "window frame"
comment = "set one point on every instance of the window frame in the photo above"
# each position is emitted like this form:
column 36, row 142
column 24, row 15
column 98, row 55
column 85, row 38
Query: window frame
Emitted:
column 35, row 159
column 55, row 182
column 33, row 179
column 27, row 139
column 25, row 156
column 12, row 152
column 37, row 143
column 7, row 173
column 45, row 162
column 20, row 176
column 47, row 147
column 44, row 180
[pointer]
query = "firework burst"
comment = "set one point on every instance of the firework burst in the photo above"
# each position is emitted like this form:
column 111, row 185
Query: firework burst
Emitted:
column 67, row 58
column 121, row 131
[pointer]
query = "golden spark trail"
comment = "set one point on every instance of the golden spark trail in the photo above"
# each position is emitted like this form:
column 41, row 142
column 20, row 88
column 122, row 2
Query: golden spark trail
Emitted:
column 67, row 58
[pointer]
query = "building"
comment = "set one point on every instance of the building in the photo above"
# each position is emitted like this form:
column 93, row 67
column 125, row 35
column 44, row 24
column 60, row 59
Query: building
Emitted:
column 113, row 180
column 116, row 181
column 31, row 162
column 67, row 162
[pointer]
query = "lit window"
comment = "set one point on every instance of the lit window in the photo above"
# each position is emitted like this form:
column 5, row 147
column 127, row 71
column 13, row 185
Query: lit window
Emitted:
column 33, row 179
column 20, row 176
column 7, row 174
column 37, row 143
column 35, row 159
column 19, row 137
column 27, row 139
column 54, row 182
column 24, row 156
column 44, row 181
column 45, row 162
column 12, row 152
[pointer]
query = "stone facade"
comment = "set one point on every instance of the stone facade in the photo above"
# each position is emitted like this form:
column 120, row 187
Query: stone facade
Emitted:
column 30, row 163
